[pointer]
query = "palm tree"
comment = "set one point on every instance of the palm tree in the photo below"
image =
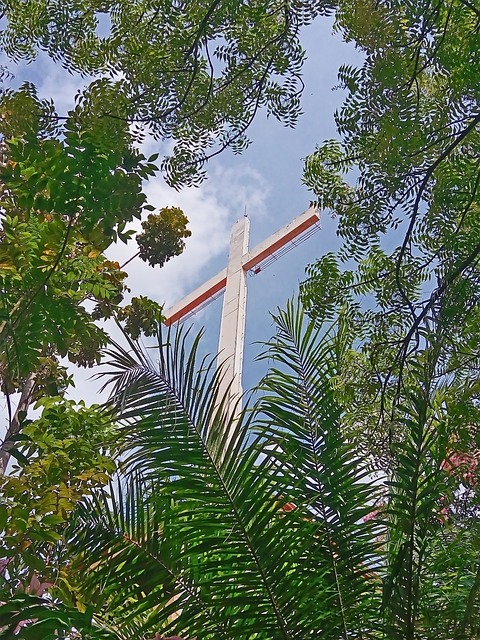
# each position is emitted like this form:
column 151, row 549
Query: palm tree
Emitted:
column 265, row 535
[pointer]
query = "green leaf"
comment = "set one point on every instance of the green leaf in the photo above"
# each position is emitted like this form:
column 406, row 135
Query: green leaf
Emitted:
column 3, row 516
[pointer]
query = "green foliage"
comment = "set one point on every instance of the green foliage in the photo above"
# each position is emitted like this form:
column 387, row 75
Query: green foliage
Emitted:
column 163, row 236
column 142, row 315
column 270, row 525
column 451, row 601
column 300, row 416
column 403, row 183
column 76, row 177
column 408, row 212
column 409, row 127
column 199, row 535
column 195, row 73
column 64, row 199
column 47, row 621
column 68, row 192
column 62, row 457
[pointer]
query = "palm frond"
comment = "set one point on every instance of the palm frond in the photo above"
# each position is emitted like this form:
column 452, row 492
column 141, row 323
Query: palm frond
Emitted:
column 218, row 559
column 320, row 471
column 416, row 489
column 47, row 620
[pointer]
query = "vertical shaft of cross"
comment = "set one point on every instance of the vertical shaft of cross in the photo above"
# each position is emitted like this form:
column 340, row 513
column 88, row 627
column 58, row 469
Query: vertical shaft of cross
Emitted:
column 234, row 280
column 232, row 329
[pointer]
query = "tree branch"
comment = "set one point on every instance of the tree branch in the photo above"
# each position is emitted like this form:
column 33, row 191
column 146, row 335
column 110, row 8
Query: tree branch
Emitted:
column 15, row 423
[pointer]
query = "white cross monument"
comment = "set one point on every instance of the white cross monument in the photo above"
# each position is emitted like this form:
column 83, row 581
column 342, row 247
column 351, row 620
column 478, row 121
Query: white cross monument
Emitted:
column 233, row 279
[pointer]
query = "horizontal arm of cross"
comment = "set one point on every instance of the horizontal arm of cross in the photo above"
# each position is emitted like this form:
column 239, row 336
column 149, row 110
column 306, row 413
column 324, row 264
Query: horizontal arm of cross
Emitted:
column 195, row 299
column 266, row 248
column 279, row 239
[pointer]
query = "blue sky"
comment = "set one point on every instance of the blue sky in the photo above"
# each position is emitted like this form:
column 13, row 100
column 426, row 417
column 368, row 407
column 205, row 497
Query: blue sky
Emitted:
column 266, row 180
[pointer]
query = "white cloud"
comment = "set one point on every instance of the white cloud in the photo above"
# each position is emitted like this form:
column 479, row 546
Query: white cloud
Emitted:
column 51, row 79
column 211, row 209
column 60, row 86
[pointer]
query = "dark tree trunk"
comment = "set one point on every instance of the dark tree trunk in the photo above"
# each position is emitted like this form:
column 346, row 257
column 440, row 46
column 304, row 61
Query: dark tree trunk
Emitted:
column 15, row 426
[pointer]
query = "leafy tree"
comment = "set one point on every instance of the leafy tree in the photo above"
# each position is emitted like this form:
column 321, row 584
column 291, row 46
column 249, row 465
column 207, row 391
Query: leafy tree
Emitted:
column 162, row 236
column 409, row 127
column 65, row 198
column 62, row 457
column 403, row 182
column 195, row 73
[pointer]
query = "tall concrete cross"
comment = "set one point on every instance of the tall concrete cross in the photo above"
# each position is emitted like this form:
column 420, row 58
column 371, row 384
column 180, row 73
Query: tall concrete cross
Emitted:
column 233, row 279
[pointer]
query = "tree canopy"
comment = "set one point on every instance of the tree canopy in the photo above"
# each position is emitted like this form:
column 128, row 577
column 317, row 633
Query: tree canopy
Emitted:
column 192, row 72
column 409, row 129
